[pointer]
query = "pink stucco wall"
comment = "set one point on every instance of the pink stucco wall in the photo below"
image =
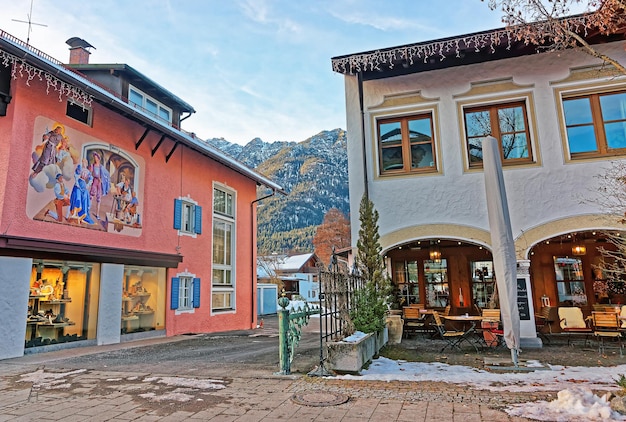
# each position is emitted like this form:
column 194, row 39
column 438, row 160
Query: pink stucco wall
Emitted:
column 187, row 173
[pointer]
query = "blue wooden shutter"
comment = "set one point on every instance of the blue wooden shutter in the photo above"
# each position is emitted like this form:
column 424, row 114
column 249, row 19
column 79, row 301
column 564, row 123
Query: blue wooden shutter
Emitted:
column 198, row 222
column 196, row 292
column 175, row 292
column 178, row 214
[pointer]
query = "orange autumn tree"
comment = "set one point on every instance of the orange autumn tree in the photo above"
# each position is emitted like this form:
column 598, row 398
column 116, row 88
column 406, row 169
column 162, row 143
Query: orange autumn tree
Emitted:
column 333, row 232
column 561, row 24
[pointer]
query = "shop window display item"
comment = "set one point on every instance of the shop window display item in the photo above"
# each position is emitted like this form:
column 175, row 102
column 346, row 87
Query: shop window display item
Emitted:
column 53, row 316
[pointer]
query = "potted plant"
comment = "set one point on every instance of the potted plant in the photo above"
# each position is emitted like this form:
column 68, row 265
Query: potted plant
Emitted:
column 370, row 302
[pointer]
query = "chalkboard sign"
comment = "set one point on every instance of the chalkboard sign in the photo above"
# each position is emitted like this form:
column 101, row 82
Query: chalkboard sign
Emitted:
column 522, row 299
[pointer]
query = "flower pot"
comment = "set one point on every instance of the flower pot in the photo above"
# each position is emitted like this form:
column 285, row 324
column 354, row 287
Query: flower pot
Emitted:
column 395, row 325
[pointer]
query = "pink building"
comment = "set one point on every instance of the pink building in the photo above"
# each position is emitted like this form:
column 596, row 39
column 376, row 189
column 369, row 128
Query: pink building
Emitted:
column 115, row 224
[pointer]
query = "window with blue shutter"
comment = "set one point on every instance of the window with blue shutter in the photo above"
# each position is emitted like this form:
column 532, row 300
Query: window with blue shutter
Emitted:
column 187, row 217
column 196, row 292
column 178, row 214
column 198, row 220
column 175, row 292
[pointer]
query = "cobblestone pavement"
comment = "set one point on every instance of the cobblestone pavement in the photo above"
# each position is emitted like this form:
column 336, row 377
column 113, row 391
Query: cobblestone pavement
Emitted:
column 181, row 378
column 33, row 393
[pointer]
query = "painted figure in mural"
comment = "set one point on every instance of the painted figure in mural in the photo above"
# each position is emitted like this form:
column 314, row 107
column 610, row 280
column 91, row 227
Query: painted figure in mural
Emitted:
column 124, row 193
column 124, row 190
column 61, row 199
column 50, row 141
column 63, row 151
column 131, row 216
column 80, row 201
column 100, row 185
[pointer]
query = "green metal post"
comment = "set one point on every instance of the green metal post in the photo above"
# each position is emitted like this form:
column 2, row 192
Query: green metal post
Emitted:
column 283, row 330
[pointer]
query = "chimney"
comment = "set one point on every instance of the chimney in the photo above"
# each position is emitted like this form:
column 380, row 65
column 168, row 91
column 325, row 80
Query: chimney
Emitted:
column 79, row 50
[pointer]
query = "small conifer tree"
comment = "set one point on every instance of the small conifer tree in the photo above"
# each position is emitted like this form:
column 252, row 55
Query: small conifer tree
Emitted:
column 371, row 301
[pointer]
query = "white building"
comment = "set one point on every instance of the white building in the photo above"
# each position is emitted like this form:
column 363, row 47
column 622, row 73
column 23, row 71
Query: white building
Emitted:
column 416, row 116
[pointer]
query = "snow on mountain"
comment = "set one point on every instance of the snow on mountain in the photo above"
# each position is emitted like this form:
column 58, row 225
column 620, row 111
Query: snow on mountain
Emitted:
column 314, row 173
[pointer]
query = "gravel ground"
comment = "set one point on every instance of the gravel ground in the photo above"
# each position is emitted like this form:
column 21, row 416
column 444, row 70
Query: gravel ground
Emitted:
column 420, row 348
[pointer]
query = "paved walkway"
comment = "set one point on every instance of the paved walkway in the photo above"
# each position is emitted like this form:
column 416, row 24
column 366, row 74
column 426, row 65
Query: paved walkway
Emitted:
column 39, row 387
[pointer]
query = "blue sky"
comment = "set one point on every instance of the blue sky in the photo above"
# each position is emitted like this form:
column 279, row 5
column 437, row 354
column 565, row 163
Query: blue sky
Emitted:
column 250, row 68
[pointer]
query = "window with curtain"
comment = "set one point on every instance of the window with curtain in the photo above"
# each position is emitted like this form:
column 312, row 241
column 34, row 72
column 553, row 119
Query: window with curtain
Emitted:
column 187, row 217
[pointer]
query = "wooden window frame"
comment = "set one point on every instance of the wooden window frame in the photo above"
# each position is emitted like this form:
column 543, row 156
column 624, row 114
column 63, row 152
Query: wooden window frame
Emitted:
column 406, row 144
column 493, row 109
column 597, row 122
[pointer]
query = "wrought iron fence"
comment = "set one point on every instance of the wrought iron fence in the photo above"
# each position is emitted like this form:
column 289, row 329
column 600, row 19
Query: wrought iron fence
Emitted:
column 338, row 285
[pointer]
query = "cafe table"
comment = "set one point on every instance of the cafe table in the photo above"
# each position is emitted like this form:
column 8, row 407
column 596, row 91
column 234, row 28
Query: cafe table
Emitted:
column 467, row 324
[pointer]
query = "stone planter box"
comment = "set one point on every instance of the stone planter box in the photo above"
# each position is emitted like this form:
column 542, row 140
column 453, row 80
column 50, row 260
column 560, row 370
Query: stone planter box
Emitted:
column 349, row 357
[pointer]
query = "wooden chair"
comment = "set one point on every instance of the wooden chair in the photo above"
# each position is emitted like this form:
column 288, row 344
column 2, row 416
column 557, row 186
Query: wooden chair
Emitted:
column 414, row 322
column 573, row 323
column 446, row 311
column 622, row 314
column 453, row 338
column 543, row 321
column 607, row 325
column 490, row 326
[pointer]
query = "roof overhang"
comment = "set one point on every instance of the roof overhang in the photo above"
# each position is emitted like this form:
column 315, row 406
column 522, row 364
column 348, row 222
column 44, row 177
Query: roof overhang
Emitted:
column 461, row 50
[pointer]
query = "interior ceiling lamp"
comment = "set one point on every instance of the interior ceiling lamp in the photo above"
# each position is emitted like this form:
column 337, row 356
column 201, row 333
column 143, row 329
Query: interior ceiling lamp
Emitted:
column 578, row 248
column 434, row 252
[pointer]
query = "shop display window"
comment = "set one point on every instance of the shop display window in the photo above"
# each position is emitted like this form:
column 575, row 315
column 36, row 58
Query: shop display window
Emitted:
column 63, row 302
column 436, row 276
column 570, row 284
column 483, row 282
column 143, row 299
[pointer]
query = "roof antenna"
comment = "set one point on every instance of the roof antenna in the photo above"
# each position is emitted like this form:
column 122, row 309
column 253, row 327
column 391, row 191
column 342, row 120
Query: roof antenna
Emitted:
column 29, row 22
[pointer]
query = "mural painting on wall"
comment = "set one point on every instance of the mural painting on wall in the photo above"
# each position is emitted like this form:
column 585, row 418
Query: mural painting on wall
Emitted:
column 81, row 181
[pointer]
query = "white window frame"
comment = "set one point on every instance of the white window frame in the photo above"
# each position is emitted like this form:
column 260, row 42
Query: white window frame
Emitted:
column 145, row 98
column 219, row 288
column 188, row 220
column 182, row 308
column 185, row 292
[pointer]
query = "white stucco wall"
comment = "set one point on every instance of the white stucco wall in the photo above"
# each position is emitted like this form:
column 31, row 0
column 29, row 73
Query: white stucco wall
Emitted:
column 551, row 190
column 109, row 311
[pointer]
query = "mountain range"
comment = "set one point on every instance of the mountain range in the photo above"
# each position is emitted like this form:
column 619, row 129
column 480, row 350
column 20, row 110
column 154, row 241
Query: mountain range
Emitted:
column 313, row 172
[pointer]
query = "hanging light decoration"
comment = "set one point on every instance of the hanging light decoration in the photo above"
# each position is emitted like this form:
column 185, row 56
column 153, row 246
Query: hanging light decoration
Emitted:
column 434, row 252
column 21, row 69
column 578, row 248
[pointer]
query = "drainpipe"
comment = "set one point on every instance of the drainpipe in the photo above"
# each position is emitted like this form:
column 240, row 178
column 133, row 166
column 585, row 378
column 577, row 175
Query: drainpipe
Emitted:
column 253, row 217
column 363, row 143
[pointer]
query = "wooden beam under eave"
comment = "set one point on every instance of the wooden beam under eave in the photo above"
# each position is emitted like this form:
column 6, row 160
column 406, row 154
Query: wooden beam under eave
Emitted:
column 167, row 158
column 154, row 150
column 145, row 133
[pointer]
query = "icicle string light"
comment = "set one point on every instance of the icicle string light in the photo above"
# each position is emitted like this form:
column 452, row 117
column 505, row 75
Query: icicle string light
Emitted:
column 21, row 69
column 440, row 49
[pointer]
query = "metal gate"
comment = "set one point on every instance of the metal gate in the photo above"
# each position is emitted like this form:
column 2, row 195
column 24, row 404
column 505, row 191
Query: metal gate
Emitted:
column 337, row 290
